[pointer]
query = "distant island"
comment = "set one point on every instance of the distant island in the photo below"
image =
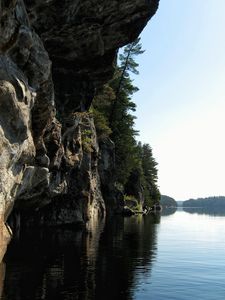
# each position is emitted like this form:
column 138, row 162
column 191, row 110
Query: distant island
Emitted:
column 209, row 202
column 209, row 205
column 167, row 202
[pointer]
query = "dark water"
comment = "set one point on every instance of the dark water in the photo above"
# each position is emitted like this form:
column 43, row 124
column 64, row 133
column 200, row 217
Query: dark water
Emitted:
column 176, row 256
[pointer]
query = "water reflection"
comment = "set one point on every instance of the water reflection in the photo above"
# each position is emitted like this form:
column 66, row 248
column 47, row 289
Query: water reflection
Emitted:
column 67, row 264
column 212, row 211
column 168, row 211
column 128, row 246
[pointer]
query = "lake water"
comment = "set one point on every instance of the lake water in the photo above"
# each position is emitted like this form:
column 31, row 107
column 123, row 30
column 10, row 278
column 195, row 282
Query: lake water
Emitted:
column 176, row 256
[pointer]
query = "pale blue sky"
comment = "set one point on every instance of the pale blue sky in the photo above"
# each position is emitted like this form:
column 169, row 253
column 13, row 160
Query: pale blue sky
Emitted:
column 181, row 102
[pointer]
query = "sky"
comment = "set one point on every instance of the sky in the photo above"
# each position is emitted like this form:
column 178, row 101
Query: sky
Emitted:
column 181, row 101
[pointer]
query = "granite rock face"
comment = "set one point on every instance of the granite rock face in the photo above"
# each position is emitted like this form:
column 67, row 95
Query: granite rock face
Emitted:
column 25, row 71
column 82, row 38
column 54, row 55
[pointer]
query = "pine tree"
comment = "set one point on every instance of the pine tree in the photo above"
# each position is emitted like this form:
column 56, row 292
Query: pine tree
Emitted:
column 136, row 169
column 127, row 65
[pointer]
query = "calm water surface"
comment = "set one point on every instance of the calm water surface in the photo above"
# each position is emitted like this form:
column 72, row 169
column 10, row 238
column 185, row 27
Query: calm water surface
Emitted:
column 176, row 256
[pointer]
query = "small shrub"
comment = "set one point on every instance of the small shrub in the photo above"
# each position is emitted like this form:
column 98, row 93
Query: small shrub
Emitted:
column 87, row 140
column 101, row 124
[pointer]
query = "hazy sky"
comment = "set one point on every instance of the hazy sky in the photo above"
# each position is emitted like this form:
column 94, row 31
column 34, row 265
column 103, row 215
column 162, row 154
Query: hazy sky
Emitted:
column 181, row 102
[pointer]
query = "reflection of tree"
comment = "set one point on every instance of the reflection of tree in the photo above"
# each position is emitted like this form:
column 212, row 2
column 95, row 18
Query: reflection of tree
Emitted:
column 168, row 211
column 214, row 211
column 126, row 245
column 66, row 264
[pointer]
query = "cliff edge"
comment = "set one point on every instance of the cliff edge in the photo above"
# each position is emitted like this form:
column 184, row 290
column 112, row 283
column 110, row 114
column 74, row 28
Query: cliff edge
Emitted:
column 54, row 55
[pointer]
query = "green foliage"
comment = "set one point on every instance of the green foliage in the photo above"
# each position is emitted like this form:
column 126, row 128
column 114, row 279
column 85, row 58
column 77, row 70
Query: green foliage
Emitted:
column 104, row 99
column 121, row 119
column 101, row 124
column 128, row 64
column 167, row 201
column 209, row 202
column 132, row 203
column 148, row 163
column 136, row 168
column 130, row 200
column 148, row 174
column 86, row 138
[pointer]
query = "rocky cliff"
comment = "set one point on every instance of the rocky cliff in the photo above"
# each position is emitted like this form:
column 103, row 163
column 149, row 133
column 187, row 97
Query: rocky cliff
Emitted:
column 54, row 55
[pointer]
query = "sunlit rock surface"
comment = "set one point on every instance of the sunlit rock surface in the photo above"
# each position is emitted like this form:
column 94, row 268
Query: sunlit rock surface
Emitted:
column 25, row 76
column 4, row 240
column 53, row 57
column 5, row 236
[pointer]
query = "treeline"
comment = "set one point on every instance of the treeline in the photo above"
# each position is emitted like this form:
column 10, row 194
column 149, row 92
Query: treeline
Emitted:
column 113, row 108
column 209, row 202
column 167, row 201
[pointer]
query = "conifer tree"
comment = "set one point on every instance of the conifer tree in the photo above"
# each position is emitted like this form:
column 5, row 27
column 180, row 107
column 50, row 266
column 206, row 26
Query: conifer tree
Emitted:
column 136, row 169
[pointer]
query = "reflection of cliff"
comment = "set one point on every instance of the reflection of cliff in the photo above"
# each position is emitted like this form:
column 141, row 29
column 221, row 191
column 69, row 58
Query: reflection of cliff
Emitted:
column 52, row 264
column 68, row 264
